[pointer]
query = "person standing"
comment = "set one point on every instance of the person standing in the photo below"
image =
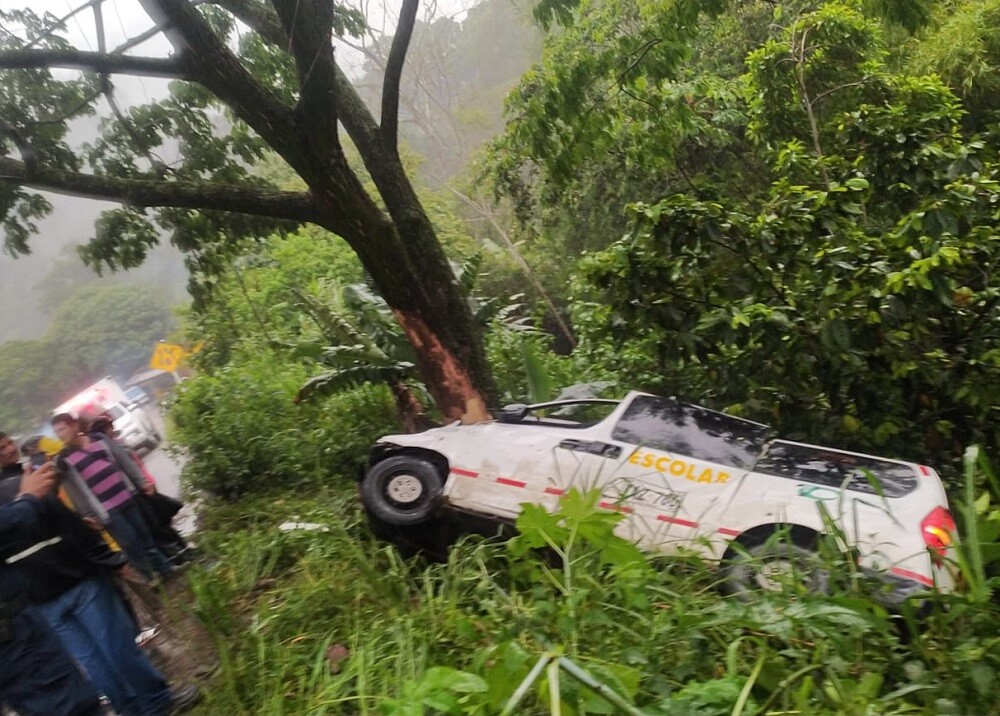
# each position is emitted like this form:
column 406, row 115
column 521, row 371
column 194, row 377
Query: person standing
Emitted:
column 67, row 569
column 37, row 675
column 10, row 467
column 94, row 461
column 158, row 509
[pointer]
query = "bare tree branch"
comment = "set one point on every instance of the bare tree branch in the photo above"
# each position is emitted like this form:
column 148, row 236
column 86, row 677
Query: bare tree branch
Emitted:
column 208, row 195
column 93, row 62
column 149, row 34
column 518, row 257
column 393, row 73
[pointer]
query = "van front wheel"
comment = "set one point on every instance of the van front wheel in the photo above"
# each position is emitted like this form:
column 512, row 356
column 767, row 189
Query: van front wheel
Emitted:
column 402, row 490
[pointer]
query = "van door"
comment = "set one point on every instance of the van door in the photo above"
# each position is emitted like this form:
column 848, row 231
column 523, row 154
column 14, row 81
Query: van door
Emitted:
column 681, row 465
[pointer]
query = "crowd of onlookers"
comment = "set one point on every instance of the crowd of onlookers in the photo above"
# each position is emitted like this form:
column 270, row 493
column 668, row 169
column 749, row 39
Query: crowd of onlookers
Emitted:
column 83, row 530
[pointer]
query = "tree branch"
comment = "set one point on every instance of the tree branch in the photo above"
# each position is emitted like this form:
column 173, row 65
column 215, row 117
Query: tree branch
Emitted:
column 308, row 25
column 259, row 201
column 518, row 257
column 28, row 154
column 354, row 114
column 393, row 72
column 258, row 17
column 93, row 62
column 213, row 65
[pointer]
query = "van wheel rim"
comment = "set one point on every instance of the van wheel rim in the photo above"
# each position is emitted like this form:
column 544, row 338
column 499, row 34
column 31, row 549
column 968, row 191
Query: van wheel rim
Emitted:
column 776, row 575
column 404, row 489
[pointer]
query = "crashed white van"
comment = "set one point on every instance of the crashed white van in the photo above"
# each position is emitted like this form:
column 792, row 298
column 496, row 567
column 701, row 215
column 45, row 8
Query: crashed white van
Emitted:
column 685, row 477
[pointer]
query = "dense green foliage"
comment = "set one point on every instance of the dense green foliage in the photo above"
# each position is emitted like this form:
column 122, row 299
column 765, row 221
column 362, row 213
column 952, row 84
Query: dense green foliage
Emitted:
column 849, row 301
column 329, row 621
column 244, row 432
column 111, row 328
column 97, row 330
column 961, row 47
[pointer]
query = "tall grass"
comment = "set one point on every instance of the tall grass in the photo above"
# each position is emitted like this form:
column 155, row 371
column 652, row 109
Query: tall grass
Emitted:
column 506, row 626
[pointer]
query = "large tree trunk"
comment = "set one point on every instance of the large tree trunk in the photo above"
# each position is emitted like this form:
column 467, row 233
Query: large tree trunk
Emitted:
column 412, row 274
column 400, row 251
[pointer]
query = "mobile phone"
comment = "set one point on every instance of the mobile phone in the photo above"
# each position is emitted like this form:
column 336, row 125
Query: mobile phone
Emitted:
column 38, row 459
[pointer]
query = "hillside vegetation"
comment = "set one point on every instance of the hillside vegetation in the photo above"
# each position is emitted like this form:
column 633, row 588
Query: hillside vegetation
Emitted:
column 783, row 210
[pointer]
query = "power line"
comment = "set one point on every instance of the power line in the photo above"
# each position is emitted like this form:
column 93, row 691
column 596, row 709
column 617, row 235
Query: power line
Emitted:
column 73, row 14
column 121, row 24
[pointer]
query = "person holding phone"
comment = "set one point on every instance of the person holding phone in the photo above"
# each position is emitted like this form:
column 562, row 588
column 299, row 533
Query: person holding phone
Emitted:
column 37, row 674
column 67, row 571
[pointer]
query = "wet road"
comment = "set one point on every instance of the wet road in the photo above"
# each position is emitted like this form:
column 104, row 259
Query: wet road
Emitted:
column 166, row 469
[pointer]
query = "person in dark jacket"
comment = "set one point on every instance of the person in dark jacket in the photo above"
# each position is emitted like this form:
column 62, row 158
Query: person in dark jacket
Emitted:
column 37, row 675
column 65, row 566
column 10, row 467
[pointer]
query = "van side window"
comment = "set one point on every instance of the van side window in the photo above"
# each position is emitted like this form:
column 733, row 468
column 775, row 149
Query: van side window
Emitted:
column 675, row 427
column 835, row 469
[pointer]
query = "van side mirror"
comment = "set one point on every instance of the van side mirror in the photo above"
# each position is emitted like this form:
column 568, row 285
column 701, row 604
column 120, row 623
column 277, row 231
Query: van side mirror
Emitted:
column 513, row 413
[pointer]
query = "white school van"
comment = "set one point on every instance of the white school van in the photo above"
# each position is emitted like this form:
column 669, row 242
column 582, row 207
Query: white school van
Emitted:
column 685, row 477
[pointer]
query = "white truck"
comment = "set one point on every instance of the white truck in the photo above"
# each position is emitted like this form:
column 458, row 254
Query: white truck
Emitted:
column 134, row 427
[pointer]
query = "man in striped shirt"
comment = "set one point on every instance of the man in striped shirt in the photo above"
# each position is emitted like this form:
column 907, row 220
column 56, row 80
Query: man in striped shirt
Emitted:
column 114, row 485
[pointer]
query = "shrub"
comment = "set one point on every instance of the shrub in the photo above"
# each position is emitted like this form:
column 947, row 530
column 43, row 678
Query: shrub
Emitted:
column 244, row 433
column 331, row 621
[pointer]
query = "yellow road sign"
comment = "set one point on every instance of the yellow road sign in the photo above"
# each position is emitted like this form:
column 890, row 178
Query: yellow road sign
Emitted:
column 167, row 357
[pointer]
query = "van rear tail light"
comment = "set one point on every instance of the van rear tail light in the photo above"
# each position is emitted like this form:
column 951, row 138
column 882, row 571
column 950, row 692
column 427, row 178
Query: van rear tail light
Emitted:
column 938, row 529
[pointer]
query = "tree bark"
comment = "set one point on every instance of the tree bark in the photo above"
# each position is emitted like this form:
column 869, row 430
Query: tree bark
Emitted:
column 146, row 192
column 413, row 276
column 92, row 61
column 409, row 408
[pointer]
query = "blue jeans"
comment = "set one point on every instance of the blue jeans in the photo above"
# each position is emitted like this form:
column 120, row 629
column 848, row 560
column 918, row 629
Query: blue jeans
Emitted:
column 128, row 526
column 95, row 627
column 37, row 676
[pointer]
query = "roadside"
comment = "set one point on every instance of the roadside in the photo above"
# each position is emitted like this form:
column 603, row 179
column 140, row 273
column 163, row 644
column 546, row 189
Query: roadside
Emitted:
column 166, row 466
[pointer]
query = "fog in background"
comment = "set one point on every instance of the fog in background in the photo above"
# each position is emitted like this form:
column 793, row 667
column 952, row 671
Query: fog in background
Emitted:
column 71, row 222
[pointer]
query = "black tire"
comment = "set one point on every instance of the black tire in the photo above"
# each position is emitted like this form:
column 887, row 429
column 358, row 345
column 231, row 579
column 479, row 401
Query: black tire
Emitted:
column 402, row 490
column 780, row 563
